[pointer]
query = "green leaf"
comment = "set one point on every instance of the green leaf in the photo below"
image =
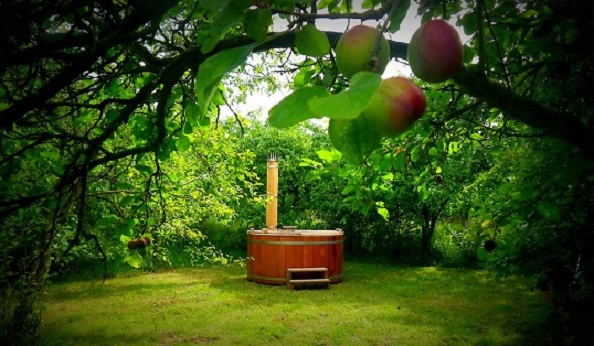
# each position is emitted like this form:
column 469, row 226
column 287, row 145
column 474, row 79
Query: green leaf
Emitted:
column 188, row 129
column 529, row 191
column 107, row 221
column 470, row 23
column 354, row 138
column 398, row 15
column 150, row 221
column 144, row 169
column 327, row 4
column 123, row 186
column 350, row 103
column 183, row 143
column 421, row 189
column 329, row 156
column 175, row 10
column 212, row 5
column 292, row 109
column 114, row 87
column 81, row 120
column 348, row 189
column 302, row 78
column 256, row 23
column 505, row 188
column 385, row 213
column 476, row 136
column 192, row 112
column 131, row 222
column 468, row 54
column 386, row 163
column 111, row 115
column 427, row 16
column 311, row 41
column 482, row 254
column 569, row 174
column 415, row 154
column 486, row 223
column 123, row 230
column 50, row 155
column 367, row 4
column 399, row 161
column 217, row 97
column 124, row 239
column 225, row 18
column 164, row 152
column 214, row 68
column 173, row 177
column 134, row 260
column 529, row 14
column 550, row 210
column 126, row 201
column 388, row 177
column 204, row 121
column 58, row 167
column 305, row 162
column 454, row 147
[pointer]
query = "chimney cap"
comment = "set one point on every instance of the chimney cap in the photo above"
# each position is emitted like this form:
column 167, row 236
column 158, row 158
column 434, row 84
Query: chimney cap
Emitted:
column 272, row 157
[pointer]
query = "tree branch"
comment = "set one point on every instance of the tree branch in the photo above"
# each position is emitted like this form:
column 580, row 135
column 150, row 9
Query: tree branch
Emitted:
column 366, row 15
column 556, row 123
column 148, row 12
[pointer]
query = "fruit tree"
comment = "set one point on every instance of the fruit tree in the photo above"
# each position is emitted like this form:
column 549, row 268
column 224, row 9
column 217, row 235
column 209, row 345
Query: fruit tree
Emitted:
column 95, row 92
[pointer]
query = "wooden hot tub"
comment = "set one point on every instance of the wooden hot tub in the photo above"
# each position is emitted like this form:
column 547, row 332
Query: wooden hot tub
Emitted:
column 270, row 254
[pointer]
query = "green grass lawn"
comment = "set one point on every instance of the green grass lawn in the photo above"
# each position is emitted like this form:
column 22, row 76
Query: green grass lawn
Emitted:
column 375, row 305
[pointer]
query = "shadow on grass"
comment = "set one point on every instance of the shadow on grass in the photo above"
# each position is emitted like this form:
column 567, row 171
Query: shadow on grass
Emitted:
column 442, row 299
column 108, row 338
column 454, row 306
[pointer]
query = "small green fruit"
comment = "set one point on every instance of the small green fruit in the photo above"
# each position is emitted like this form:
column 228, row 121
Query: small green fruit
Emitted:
column 354, row 51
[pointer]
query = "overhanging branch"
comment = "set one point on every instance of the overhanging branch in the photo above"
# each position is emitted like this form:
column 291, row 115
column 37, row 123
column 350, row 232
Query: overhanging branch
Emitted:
column 148, row 11
column 555, row 123
column 366, row 15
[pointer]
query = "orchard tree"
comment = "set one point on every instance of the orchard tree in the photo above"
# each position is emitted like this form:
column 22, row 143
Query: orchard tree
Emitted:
column 90, row 90
column 291, row 146
column 406, row 185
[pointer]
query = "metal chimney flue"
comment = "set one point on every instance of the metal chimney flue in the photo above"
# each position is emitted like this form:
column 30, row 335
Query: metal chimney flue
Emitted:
column 271, row 192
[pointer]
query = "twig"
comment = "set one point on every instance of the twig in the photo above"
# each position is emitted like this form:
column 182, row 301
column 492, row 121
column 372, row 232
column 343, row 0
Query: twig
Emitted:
column 307, row 17
column 482, row 63
column 375, row 61
column 234, row 114
column 488, row 21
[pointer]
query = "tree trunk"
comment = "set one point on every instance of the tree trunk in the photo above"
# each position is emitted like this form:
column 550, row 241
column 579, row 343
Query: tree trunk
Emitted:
column 21, row 300
column 23, row 292
column 428, row 230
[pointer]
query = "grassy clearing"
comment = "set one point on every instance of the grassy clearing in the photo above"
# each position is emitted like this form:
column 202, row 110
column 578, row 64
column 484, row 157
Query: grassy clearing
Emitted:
column 375, row 305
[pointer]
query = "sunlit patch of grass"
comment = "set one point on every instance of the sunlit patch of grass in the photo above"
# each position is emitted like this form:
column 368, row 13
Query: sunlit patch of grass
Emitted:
column 375, row 305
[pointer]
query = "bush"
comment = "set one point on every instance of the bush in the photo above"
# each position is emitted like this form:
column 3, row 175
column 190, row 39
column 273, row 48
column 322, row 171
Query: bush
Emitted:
column 189, row 248
column 228, row 238
column 454, row 245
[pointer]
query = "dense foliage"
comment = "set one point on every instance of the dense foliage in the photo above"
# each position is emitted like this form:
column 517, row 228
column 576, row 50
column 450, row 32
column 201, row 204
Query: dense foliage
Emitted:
column 112, row 130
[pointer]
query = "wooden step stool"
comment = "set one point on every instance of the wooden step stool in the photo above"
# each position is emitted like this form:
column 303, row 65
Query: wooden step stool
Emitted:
column 298, row 277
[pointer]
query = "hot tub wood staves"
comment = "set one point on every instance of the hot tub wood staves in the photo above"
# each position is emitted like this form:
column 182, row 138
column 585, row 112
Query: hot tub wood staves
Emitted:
column 271, row 254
